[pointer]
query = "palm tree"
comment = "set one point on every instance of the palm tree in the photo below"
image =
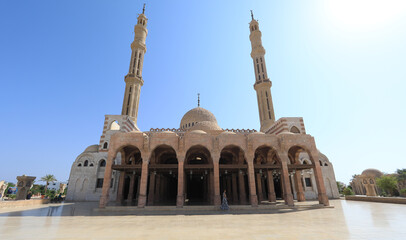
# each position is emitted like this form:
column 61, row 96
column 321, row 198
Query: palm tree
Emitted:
column 48, row 178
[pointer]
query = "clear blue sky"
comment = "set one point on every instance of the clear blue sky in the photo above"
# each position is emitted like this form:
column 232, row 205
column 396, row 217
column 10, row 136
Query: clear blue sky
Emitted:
column 340, row 65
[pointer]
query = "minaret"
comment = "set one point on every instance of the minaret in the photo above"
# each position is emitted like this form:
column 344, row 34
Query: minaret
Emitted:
column 133, row 80
column 262, row 83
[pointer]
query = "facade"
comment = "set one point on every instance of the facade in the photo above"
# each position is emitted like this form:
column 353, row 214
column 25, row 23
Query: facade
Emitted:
column 365, row 183
column 195, row 163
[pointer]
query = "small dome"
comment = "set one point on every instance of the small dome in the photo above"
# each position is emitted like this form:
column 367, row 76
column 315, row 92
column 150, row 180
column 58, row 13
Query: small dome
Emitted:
column 372, row 172
column 199, row 119
column 286, row 133
column 92, row 148
column 197, row 132
column 227, row 133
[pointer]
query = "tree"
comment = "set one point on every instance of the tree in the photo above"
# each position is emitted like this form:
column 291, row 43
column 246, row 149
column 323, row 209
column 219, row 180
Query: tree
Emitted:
column 347, row 191
column 401, row 174
column 387, row 183
column 340, row 186
column 49, row 178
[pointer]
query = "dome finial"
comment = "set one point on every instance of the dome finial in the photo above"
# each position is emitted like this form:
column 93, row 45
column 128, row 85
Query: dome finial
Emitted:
column 252, row 15
column 143, row 9
column 198, row 99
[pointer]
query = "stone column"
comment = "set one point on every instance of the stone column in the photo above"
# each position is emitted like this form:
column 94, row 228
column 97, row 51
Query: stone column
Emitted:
column 104, row 198
column 241, row 186
column 151, row 191
column 120, row 187
column 216, row 180
column 299, row 187
column 287, row 191
column 228, row 184
column 142, row 198
column 131, row 190
column 211, row 187
column 259, row 187
column 234, row 186
column 251, row 180
column 137, row 194
column 321, row 189
column 271, row 187
column 181, row 173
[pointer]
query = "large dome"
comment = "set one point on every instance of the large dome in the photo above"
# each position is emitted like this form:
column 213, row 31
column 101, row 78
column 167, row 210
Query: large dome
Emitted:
column 199, row 119
column 372, row 172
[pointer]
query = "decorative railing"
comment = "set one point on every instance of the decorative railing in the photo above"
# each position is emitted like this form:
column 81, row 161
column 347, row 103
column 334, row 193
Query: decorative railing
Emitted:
column 240, row 130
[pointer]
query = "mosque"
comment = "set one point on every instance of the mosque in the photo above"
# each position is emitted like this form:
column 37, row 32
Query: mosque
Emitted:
column 195, row 163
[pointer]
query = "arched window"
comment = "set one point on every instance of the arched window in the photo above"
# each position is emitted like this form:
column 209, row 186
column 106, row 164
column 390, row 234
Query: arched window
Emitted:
column 91, row 165
column 114, row 126
column 193, row 124
column 325, row 164
column 102, row 163
column 105, row 145
column 321, row 164
column 252, row 29
column 294, row 129
column 86, row 163
column 79, row 165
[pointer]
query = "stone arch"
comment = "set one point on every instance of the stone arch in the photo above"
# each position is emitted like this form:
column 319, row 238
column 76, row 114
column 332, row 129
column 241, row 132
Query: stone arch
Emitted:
column 232, row 154
column 130, row 155
column 102, row 163
column 198, row 154
column 294, row 151
column 266, row 154
column 199, row 175
column 294, row 129
column 164, row 154
column 233, row 173
column 76, row 189
column 267, row 166
column 114, row 125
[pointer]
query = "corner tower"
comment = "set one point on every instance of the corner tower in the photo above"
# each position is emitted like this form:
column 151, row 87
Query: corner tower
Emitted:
column 133, row 80
column 262, row 83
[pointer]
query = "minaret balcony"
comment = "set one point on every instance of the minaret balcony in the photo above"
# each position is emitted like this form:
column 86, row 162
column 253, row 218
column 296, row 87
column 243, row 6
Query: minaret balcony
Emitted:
column 263, row 83
column 132, row 78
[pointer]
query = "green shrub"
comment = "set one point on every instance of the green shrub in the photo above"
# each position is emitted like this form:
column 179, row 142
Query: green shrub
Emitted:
column 387, row 183
column 348, row 191
column 403, row 192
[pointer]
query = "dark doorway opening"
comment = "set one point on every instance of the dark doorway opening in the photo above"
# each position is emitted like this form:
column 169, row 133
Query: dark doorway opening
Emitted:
column 197, row 189
column 126, row 187
column 278, row 188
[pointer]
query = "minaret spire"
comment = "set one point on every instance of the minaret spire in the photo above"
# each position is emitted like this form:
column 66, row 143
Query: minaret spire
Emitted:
column 143, row 9
column 198, row 99
column 133, row 80
column 262, row 83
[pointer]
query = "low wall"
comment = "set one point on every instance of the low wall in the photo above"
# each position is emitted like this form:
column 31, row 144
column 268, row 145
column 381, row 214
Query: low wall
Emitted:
column 23, row 203
column 377, row 199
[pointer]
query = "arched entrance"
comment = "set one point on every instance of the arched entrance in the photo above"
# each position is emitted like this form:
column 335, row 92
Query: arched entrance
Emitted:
column 130, row 175
column 298, row 172
column 267, row 166
column 199, row 177
column 233, row 174
column 163, row 184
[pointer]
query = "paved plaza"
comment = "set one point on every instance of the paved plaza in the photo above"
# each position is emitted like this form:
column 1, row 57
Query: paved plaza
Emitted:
column 347, row 220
